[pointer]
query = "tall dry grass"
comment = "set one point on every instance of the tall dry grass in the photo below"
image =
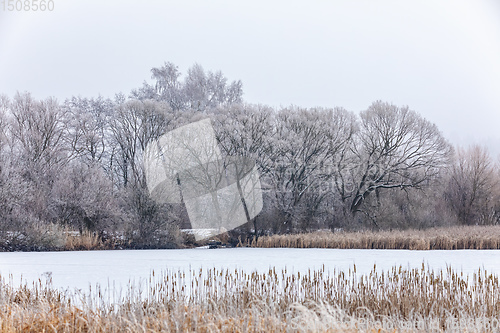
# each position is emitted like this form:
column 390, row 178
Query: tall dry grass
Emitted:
column 84, row 241
column 214, row 300
column 453, row 238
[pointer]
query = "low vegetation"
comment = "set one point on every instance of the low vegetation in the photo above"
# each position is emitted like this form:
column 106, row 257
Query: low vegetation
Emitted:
column 276, row 301
column 54, row 238
column 453, row 238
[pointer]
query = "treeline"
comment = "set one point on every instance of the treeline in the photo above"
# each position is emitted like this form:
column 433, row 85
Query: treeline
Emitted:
column 78, row 165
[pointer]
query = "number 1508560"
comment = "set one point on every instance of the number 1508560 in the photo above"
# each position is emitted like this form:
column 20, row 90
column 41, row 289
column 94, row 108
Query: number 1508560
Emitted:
column 27, row 5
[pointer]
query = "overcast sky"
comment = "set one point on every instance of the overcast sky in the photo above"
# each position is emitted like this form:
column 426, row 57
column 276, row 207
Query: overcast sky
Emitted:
column 441, row 58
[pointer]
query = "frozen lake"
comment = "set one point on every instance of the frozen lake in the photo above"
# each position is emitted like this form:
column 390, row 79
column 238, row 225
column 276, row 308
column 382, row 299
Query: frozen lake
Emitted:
column 81, row 269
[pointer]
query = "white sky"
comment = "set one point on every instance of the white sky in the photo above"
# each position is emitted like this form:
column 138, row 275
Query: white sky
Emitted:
column 442, row 58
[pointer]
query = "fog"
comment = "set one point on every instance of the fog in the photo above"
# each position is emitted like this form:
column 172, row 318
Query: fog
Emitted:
column 439, row 58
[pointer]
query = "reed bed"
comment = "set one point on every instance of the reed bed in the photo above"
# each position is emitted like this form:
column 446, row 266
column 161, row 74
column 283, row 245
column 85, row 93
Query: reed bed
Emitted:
column 84, row 241
column 401, row 299
column 453, row 238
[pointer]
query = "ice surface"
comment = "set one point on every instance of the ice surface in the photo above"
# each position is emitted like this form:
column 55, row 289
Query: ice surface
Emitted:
column 84, row 268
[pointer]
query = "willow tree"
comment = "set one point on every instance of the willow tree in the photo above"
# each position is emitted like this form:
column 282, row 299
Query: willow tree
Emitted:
column 395, row 148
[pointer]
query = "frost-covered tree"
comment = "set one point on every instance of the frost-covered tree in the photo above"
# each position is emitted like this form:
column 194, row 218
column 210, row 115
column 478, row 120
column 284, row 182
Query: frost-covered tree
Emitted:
column 32, row 154
column 199, row 90
column 13, row 189
column 395, row 148
column 4, row 134
column 133, row 125
column 473, row 190
column 38, row 131
column 209, row 89
column 83, row 198
column 243, row 133
column 303, row 151
column 88, row 127
column 245, row 130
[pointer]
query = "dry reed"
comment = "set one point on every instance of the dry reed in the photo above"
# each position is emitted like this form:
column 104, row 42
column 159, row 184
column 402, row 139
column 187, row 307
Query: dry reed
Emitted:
column 84, row 241
column 214, row 300
column 453, row 238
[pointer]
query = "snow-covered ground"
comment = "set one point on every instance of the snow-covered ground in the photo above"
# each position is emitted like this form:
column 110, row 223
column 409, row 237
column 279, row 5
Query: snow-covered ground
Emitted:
column 118, row 268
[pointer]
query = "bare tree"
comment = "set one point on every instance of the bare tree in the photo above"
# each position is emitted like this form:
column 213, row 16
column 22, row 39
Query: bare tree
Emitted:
column 134, row 124
column 244, row 130
column 87, row 121
column 473, row 187
column 38, row 131
column 33, row 154
column 304, row 146
column 82, row 198
column 209, row 90
column 12, row 187
column 199, row 90
column 395, row 148
column 4, row 135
